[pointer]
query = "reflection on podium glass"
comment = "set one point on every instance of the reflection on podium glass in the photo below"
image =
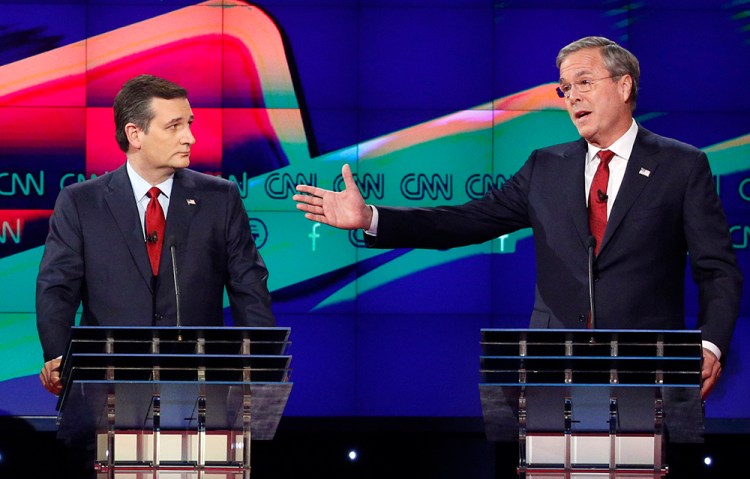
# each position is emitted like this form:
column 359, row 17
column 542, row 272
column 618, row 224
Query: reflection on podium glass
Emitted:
column 185, row 402
column 591, row 403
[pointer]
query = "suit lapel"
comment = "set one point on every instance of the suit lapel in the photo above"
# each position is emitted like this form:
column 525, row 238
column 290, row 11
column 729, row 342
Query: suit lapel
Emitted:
column 572, row 178
column 183, row 204
column 121, row 203
column 641, row 164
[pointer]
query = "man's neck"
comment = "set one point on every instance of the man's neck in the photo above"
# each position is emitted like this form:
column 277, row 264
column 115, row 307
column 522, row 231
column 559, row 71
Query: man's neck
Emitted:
column 153, row 176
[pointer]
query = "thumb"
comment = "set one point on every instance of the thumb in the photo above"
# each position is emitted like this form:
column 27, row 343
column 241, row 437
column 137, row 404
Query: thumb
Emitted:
column 346, row 173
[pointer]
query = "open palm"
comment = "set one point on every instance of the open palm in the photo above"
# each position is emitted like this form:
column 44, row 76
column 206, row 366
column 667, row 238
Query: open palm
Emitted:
column 342, row 209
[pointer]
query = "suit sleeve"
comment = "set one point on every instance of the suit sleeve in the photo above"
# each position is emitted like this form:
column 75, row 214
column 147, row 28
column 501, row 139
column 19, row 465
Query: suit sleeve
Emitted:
column 498, row 212
column 713, row 263
column 60, row 278
column 247, row 285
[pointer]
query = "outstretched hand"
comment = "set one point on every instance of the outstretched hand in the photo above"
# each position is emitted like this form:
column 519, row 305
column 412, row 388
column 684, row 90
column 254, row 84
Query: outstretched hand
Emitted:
column 342, row 209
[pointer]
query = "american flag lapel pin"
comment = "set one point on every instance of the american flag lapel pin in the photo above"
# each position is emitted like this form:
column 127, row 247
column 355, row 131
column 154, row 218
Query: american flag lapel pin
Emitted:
column 191, row 201
column 643, row 172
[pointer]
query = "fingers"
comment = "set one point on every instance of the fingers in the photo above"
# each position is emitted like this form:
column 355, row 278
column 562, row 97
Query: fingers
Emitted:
column 52, row 384
column 309, row 206
column 312, row 207
column 707, row 387
column 310, row 192
column 304, row 200
column 710, row 373
column 50, row 376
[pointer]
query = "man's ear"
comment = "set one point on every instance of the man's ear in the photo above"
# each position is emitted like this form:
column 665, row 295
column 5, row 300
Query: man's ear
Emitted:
column 133, row 134
column 626, row 87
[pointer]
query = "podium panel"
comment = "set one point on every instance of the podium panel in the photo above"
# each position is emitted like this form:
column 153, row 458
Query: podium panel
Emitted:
column 591, row 402
column 174, row 400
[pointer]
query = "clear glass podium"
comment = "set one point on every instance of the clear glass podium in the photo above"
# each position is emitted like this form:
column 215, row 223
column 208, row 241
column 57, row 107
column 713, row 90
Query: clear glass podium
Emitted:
column 174, row 402
column 591, row 403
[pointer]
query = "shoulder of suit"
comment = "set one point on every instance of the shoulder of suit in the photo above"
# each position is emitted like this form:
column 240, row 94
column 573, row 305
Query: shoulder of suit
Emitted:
column 564, row 149
column 665, row 143
column 94, row 183
column 202, row 180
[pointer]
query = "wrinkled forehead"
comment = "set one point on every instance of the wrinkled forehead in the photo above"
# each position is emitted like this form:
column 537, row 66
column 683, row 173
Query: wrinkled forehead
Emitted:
column 582, row 63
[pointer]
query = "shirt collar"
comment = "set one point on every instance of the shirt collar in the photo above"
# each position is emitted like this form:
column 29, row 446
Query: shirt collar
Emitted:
column 622, row 147
column 141, row 186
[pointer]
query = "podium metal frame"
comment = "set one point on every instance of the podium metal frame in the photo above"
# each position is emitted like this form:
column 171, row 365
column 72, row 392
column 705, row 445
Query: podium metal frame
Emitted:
column 187, row 400
column 591, row 403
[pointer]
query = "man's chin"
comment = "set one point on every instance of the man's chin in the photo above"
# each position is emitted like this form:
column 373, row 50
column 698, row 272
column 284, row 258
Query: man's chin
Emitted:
column 180, row 162
column 586, row 133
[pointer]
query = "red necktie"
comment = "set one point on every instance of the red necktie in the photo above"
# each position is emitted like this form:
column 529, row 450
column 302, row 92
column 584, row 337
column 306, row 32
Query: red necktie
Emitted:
column 598, row 198
column 154, row 229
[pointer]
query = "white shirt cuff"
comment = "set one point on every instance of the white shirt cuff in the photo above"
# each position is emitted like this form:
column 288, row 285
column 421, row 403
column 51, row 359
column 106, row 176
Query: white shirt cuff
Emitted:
column 712, row 347
column 373, row 229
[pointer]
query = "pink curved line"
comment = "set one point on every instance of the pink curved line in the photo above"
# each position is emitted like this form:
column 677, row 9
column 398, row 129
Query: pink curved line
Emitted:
column 467, row 121
column 190, row 46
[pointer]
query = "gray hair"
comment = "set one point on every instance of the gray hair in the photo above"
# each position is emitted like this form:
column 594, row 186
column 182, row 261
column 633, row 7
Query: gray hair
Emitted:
column 617, row 60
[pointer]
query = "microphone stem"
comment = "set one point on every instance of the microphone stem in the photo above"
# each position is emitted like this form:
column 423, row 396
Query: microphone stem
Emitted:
column 176, row 289
column 592, row 324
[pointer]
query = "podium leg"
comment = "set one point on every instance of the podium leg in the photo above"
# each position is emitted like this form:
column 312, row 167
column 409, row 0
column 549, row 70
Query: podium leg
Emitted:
column 246, row 415
column 568, row 432
column 659, row 452
column 246, row 434
column 156, row 437
column 202, row 432
column 612, row 435
column 110, row 434
column 522, row 449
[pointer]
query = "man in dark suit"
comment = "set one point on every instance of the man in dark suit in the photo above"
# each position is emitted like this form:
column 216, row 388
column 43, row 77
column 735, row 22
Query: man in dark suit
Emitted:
column 96, row 256
column 659, row 203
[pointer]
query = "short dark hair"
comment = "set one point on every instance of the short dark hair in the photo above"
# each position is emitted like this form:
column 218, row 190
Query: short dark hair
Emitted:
column 617, row 60
column 133, row 103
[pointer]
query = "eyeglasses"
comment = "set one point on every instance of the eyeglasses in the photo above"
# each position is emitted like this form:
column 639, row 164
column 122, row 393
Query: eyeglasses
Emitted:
column 563, row 91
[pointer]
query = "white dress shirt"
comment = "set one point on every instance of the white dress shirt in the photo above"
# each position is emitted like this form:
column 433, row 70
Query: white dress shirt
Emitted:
column 140, row 192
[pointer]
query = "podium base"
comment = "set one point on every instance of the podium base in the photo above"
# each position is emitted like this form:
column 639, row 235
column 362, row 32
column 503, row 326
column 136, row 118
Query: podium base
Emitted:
column 592, row 455
column 592, row 474
column 169, row 474
column 172, row 450
column 628, row 451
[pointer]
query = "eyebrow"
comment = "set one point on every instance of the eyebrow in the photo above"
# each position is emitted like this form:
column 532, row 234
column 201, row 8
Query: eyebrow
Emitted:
column 179, row 119
column 579, row 74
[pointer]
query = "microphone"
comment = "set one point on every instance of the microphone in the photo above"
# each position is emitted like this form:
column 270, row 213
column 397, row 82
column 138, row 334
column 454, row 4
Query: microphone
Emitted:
column 591, row 243
column 602, row 196
column 171, row 243
column 152, row 238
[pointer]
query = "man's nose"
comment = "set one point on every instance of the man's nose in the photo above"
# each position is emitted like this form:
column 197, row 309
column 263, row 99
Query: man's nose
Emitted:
column 574, row 95
column 188, row 137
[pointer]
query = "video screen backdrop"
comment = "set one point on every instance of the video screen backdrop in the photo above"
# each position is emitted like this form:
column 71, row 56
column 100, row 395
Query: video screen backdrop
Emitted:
column 430, row 101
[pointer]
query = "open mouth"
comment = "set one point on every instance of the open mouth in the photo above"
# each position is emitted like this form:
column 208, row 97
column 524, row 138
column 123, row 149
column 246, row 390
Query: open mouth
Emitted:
column 581, row 114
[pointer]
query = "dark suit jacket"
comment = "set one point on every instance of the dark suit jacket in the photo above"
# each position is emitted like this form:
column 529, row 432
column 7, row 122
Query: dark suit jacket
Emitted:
column 95, row 256
column 667, row 207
